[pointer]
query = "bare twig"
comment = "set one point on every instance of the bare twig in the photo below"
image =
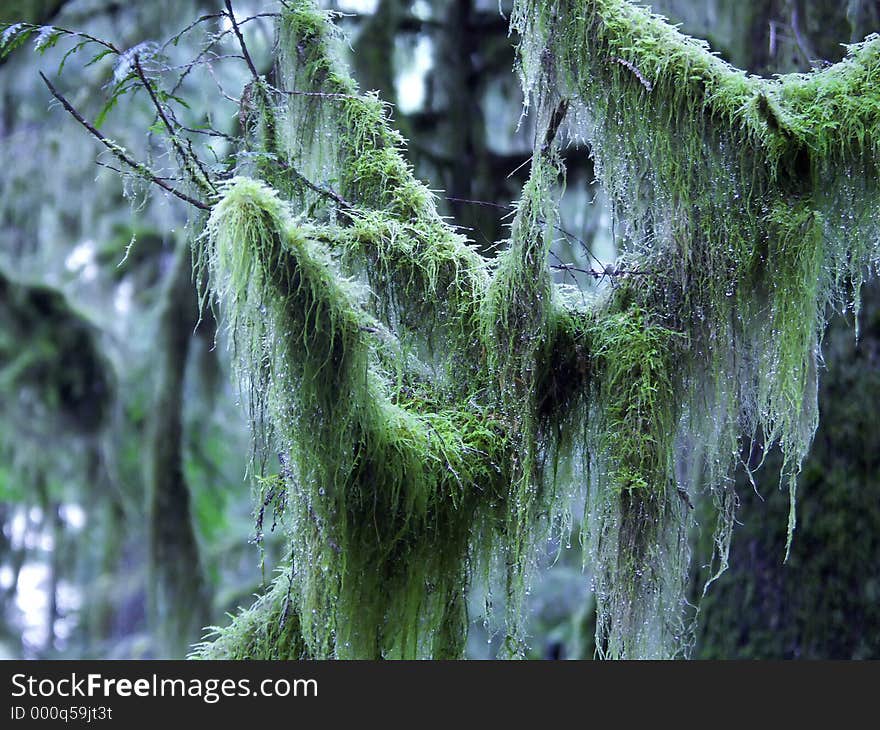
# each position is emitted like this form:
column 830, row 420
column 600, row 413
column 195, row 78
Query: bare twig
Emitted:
column 175, row 38
column 72, row 33
column 326, row 192
column 571, row 236
column 610, row 271
column 319, row 94
column 213, row 42
column 119, row 153
column 120, row 171
column 207, row 57
column 244, row 48
column 188, row 159
column 220, row 88
column 210, row 132
column 484, row 203
column 201, row 167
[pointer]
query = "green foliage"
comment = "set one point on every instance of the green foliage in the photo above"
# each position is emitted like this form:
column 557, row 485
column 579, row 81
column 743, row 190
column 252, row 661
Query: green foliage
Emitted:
column 385, row 493
column 636, row 527
column 46, row 37
column 750, row 202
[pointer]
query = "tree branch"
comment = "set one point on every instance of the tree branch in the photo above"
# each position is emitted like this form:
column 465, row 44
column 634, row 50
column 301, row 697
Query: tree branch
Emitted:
column 244, row 48
column 119, row 153
column 188, row 159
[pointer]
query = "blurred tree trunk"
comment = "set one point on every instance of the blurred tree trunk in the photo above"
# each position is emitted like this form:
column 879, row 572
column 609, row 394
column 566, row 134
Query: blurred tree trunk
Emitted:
column 179, row 600
column 30, row 11
column 374, row 48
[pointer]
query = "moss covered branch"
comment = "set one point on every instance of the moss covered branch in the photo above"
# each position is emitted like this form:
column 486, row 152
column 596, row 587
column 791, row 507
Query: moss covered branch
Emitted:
column 387, row 487
column 751, row 201
column 344, row 140
column 426, row 405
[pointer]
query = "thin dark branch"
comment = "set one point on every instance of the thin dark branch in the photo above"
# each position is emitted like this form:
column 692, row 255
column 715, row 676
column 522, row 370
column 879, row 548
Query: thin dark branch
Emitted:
column 118, row 152
column 610, row 271
column 198, row 163
column 326, row 192
column 188, row 28
column 244, row 48
column 190, row 162
column 204, row 58
column 73, row 34
column 576, row 269
column 120, row 171
column 583, row 244
column 563, row 267
column 213, row 42
column 319, row 94
column 211, row 132
column 485, row 203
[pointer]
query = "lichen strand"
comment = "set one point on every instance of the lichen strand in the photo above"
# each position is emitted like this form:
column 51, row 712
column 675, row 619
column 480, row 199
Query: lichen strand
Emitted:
column 388, row 490
column 517, row 325
column 636, row 518
column 343, row 140
column 749, row 203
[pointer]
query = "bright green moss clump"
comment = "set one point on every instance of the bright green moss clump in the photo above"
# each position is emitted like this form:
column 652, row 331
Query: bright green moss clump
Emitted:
column 432, row 413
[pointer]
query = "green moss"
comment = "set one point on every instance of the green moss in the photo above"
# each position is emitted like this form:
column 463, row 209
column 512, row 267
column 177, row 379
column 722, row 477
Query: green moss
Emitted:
column 269, row 629
column 433, row 412
column 751, row 203
column 636, row 525
column 384, row 493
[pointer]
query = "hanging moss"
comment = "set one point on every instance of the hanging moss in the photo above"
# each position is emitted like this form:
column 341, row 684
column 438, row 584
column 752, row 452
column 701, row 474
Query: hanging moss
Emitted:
column 636, row 525
column 820, row 603
column 402, row 464
column 431, row 411
column 386, row 489
column 518, row 319
column 749, row 201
